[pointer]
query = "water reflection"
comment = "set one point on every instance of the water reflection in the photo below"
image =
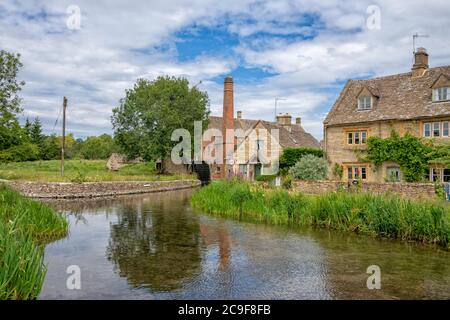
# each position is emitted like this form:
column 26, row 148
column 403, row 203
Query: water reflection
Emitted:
column 157, row 247
column 155, row 244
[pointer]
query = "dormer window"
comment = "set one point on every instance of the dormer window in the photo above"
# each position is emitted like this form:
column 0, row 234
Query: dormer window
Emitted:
column 441, row 94
column 365, row 103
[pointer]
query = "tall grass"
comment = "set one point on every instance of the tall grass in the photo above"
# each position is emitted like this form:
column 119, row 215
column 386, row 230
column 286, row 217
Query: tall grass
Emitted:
column 384, row 216
column 25, row 226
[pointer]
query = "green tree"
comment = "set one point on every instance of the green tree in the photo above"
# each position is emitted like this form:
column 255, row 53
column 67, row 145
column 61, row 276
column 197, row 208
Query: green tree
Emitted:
column 152, row 110
column 98, row 147
column 36, row 135
column 27, row 128
column 310, row 167
column 11, row 133
column 50, row 148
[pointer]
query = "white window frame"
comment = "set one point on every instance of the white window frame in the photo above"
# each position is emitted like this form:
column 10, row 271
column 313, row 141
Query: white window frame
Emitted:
column 441, row 94
column 446, row 123
column 433, row 128
column 362, row 103
column 429, row 130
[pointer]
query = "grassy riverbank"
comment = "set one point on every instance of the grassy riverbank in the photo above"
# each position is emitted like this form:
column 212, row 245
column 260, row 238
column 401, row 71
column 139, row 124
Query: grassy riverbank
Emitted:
column 25, row 226
column 80, row 171
column 384, row 216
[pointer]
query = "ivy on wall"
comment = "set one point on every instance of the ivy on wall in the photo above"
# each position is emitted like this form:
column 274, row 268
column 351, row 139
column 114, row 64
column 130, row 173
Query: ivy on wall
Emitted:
column 409, row 152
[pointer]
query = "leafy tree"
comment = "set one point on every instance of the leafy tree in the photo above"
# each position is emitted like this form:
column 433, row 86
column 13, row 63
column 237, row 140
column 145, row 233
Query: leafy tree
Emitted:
column 23, row 152
column 291, row 156
column 310, row 167
column 152, row 110
column 10, row 131
column 98, row 147
column 50, row 148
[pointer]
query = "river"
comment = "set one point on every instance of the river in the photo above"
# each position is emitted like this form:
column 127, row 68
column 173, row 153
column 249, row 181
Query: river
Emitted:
column 155, row 246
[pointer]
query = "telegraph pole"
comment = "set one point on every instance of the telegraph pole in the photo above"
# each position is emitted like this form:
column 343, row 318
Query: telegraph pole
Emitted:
column 63, row 144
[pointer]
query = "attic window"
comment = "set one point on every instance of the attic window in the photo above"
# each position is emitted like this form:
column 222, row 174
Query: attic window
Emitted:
column 441, row 94
column 365, row 103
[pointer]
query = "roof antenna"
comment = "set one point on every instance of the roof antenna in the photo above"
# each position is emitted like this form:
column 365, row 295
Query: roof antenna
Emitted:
column 276, row 102
column 415, row 36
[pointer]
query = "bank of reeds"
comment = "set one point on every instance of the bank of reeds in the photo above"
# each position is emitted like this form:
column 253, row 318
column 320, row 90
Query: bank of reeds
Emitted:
column 375, row 215
column 25, row 227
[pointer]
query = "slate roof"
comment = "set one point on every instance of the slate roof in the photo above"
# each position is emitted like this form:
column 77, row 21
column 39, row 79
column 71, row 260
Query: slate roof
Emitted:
column 296, row 138
column 398, row 97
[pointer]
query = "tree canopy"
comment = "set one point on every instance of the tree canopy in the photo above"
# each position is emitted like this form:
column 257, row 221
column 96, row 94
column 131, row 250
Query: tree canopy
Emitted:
column 152, row 110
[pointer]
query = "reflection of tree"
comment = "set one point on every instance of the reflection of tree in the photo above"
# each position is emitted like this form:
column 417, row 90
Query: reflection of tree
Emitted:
column 156, row 244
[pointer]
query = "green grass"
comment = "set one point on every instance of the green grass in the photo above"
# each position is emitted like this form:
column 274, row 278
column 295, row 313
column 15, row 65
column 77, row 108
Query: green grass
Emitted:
column 80, row 171
column 364, row 213
column 25, row 227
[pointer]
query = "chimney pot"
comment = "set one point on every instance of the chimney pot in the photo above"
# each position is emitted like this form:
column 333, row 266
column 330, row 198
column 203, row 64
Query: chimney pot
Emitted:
column 239, row 114
column 298, row 120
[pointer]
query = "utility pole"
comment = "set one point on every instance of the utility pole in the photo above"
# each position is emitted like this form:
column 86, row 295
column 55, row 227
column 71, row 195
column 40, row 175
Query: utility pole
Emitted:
column 63, row 144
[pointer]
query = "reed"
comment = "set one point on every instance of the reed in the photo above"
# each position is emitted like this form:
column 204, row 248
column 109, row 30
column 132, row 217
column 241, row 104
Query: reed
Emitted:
column 25, row 227
column 364, row 213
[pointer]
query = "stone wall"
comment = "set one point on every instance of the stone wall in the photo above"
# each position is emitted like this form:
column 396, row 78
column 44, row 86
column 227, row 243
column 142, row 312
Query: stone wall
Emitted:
column 59, row 190
column 407, row 190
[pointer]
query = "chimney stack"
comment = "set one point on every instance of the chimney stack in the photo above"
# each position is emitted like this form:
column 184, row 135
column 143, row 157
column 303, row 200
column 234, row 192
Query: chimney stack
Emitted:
column 420, row 63
column 298, row 121
column 227, row 124
column 239, row 114
column 284, row 119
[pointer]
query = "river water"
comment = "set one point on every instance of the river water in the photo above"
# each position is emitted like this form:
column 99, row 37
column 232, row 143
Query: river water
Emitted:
column 156, row 246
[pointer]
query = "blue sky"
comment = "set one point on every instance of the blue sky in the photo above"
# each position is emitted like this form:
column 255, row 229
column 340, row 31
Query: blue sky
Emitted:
column 300, row 50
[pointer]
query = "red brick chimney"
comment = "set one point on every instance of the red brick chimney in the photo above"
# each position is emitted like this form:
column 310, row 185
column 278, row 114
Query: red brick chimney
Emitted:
column 227, row 123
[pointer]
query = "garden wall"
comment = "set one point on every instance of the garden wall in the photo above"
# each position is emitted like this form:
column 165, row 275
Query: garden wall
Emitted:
column 407, row 190
column 97, row 189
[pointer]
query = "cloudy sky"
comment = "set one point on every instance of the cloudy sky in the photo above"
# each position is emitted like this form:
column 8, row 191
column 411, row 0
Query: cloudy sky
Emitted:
column 303, row 51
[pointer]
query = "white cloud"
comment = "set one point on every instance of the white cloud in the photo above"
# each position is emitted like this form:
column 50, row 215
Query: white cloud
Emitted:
column 115, row 46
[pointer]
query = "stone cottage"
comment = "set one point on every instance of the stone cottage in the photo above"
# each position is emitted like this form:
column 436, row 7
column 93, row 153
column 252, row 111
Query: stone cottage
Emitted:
column 251, row 147
column 417, row 102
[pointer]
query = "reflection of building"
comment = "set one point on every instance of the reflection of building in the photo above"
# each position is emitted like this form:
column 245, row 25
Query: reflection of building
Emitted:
column 253, row 145
column 218, row 235
column 417, row 102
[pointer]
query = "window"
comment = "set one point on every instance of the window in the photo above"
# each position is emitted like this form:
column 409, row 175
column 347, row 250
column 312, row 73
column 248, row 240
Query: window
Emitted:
column 363, row 173
column 445, row 129
column 393, row 174
column 446, row 175
column 350, row 138
column 363, row 137
column 427, row 130
column 441, row 94
column 243, row 169
column 357, row 137
column 436, row 174
column 364, row 103
column 436, row 129
column 357, row 172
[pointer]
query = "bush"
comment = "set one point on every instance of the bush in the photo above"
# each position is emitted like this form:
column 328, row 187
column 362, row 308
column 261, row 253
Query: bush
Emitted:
column 291, row 156
column 22, row 152
column 310, row 168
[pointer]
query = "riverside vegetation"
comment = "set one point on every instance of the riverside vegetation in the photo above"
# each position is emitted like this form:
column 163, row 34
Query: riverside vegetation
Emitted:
column 374, row 215
column 25, row 227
